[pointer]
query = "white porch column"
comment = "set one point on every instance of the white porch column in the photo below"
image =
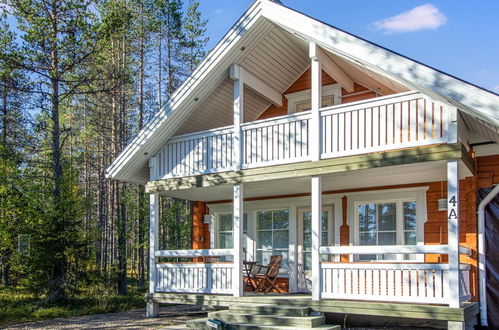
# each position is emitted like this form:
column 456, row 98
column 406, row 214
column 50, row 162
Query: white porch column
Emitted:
column 316, row 206
column 153, row 308
column 237, row 275
column 237, row 140
column 316, row 100
column 453, row 231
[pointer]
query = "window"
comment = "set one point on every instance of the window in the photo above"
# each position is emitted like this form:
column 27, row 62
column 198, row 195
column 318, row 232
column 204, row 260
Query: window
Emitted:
column 300, row 101
column 386, row 223
column 272, row 236
column 307, row 238
column 225, row 234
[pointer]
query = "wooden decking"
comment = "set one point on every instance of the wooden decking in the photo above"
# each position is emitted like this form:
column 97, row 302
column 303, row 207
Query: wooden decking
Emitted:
column 396, row 310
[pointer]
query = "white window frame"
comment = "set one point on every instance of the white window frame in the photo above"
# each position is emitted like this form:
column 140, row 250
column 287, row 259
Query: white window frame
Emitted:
column 273, row 209
column 399, row 196
column 295, row 98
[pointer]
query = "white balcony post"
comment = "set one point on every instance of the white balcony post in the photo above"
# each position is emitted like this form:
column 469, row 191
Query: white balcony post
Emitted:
column 237, row 277
column 152, row 307
column 453, row 231
column 237, row 137
column 316, row 205
column 316, row 100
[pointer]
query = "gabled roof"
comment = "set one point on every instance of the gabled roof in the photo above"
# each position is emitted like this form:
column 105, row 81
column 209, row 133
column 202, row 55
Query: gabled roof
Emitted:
column 132, row 163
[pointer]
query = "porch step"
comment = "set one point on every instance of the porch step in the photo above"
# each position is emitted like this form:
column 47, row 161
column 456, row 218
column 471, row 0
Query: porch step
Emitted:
column 290, row 321
column 201, row 324
column 270, row 310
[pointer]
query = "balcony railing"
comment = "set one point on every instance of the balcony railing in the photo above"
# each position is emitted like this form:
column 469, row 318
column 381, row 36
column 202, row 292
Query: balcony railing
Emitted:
column 386, row 123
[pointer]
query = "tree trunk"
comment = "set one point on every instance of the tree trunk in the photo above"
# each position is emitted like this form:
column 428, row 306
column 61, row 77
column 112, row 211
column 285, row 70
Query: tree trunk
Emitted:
column 58, row 269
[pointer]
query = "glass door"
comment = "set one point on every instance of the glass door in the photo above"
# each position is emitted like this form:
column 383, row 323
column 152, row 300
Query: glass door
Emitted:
column 304, row 243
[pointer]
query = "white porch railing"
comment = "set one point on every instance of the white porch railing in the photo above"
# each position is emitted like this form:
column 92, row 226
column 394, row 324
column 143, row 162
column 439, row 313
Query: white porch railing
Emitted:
column 388, row 281
column 391, row 122
column 404, row 282
column 213, row 278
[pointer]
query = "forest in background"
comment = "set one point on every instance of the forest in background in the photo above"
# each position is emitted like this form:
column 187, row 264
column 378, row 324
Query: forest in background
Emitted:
column 78, row 80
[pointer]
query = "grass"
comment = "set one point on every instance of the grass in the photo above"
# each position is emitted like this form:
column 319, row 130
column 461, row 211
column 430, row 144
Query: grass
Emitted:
column 17, row 305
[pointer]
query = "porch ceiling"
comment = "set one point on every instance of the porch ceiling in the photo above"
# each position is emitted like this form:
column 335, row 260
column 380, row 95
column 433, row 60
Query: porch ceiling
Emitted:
column 278, row 58
column 375, row 177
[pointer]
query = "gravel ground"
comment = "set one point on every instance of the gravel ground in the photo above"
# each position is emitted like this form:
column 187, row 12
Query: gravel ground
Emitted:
column 170, row 317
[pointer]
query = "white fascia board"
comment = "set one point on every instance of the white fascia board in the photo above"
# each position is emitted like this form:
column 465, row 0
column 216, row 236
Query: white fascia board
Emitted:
column 147, row 141
column 471, row 99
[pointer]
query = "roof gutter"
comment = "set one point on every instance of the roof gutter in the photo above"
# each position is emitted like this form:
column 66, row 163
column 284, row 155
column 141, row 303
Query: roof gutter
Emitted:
column 482, row 263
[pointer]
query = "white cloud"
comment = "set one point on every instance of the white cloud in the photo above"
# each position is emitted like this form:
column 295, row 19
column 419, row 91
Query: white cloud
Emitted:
column 418, row 18
column 496, row 89
column 218, row 11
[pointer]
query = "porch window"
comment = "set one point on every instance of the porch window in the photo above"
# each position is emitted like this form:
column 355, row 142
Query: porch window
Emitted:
column 225, row 232
column 386, row 223
column 307, row 238
column 272, row 236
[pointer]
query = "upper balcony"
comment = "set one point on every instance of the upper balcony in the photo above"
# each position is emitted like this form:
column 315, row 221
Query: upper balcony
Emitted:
column 398, row 121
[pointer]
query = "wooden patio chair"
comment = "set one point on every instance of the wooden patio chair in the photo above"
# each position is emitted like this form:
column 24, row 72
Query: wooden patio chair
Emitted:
column 266, row 282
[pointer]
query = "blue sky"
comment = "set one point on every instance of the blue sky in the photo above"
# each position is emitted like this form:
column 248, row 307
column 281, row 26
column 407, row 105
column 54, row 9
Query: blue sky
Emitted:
column 458, row 37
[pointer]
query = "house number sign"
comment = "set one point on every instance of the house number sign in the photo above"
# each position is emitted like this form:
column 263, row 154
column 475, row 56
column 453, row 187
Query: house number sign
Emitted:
column 452, row 208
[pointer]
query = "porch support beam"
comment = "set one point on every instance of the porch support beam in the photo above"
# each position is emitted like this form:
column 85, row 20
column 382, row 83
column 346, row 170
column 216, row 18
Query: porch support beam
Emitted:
column 316, row 206
column 237, row 136
column 237, row 278
column 334, row 70
column 237, row 72
column 453, row 231
column 316, row 100
column 153, row 307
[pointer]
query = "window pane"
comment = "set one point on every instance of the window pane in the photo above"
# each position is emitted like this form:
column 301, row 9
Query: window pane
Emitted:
column 264, row 219
column 307, row 221
column 410, row 238
column 225, row 222
column 264, row 240
column 387, row 216
column 324, row 221
column 281, row 240
column 245, row 222
column 281, row 219
column 367, row 239
column 307, row 241
column 263, row 257
column 324, row 241
column 284, row 254
column 307, row 260
column 387, row 238
column 367, row 217
column 226, row 241
column 410, row 215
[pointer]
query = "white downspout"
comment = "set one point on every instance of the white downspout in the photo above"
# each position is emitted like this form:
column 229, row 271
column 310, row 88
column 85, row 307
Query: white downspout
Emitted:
column 481, row 254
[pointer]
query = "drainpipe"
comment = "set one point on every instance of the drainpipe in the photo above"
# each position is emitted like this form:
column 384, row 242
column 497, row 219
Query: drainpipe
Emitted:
column 481, row 254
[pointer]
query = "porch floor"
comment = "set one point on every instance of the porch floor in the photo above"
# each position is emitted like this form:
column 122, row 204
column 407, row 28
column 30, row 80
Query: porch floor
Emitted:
column 467, row 312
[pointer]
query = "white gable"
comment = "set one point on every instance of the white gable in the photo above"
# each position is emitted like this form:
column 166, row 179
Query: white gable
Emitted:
column 379, row 63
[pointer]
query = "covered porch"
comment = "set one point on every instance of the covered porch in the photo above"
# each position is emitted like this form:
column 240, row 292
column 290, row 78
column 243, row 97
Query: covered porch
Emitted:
column 363, row 235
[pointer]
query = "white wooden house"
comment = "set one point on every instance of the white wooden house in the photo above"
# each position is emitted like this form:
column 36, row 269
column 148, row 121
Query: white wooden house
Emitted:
column 357, row 164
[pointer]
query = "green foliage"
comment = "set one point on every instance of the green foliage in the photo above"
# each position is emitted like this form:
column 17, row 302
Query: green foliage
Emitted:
column 18, row 305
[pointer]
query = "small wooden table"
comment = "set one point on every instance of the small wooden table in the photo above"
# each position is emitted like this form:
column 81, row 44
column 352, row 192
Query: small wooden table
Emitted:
column 248, row 268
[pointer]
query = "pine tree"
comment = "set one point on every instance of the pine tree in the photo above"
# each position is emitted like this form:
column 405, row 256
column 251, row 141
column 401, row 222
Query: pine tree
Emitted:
column 58, row 40
column 195, row 36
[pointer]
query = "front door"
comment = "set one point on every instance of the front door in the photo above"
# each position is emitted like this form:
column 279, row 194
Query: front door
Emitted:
column 304, row 243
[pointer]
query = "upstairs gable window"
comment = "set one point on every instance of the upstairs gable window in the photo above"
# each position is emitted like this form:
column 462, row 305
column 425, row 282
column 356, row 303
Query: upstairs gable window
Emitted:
column 300, row 101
